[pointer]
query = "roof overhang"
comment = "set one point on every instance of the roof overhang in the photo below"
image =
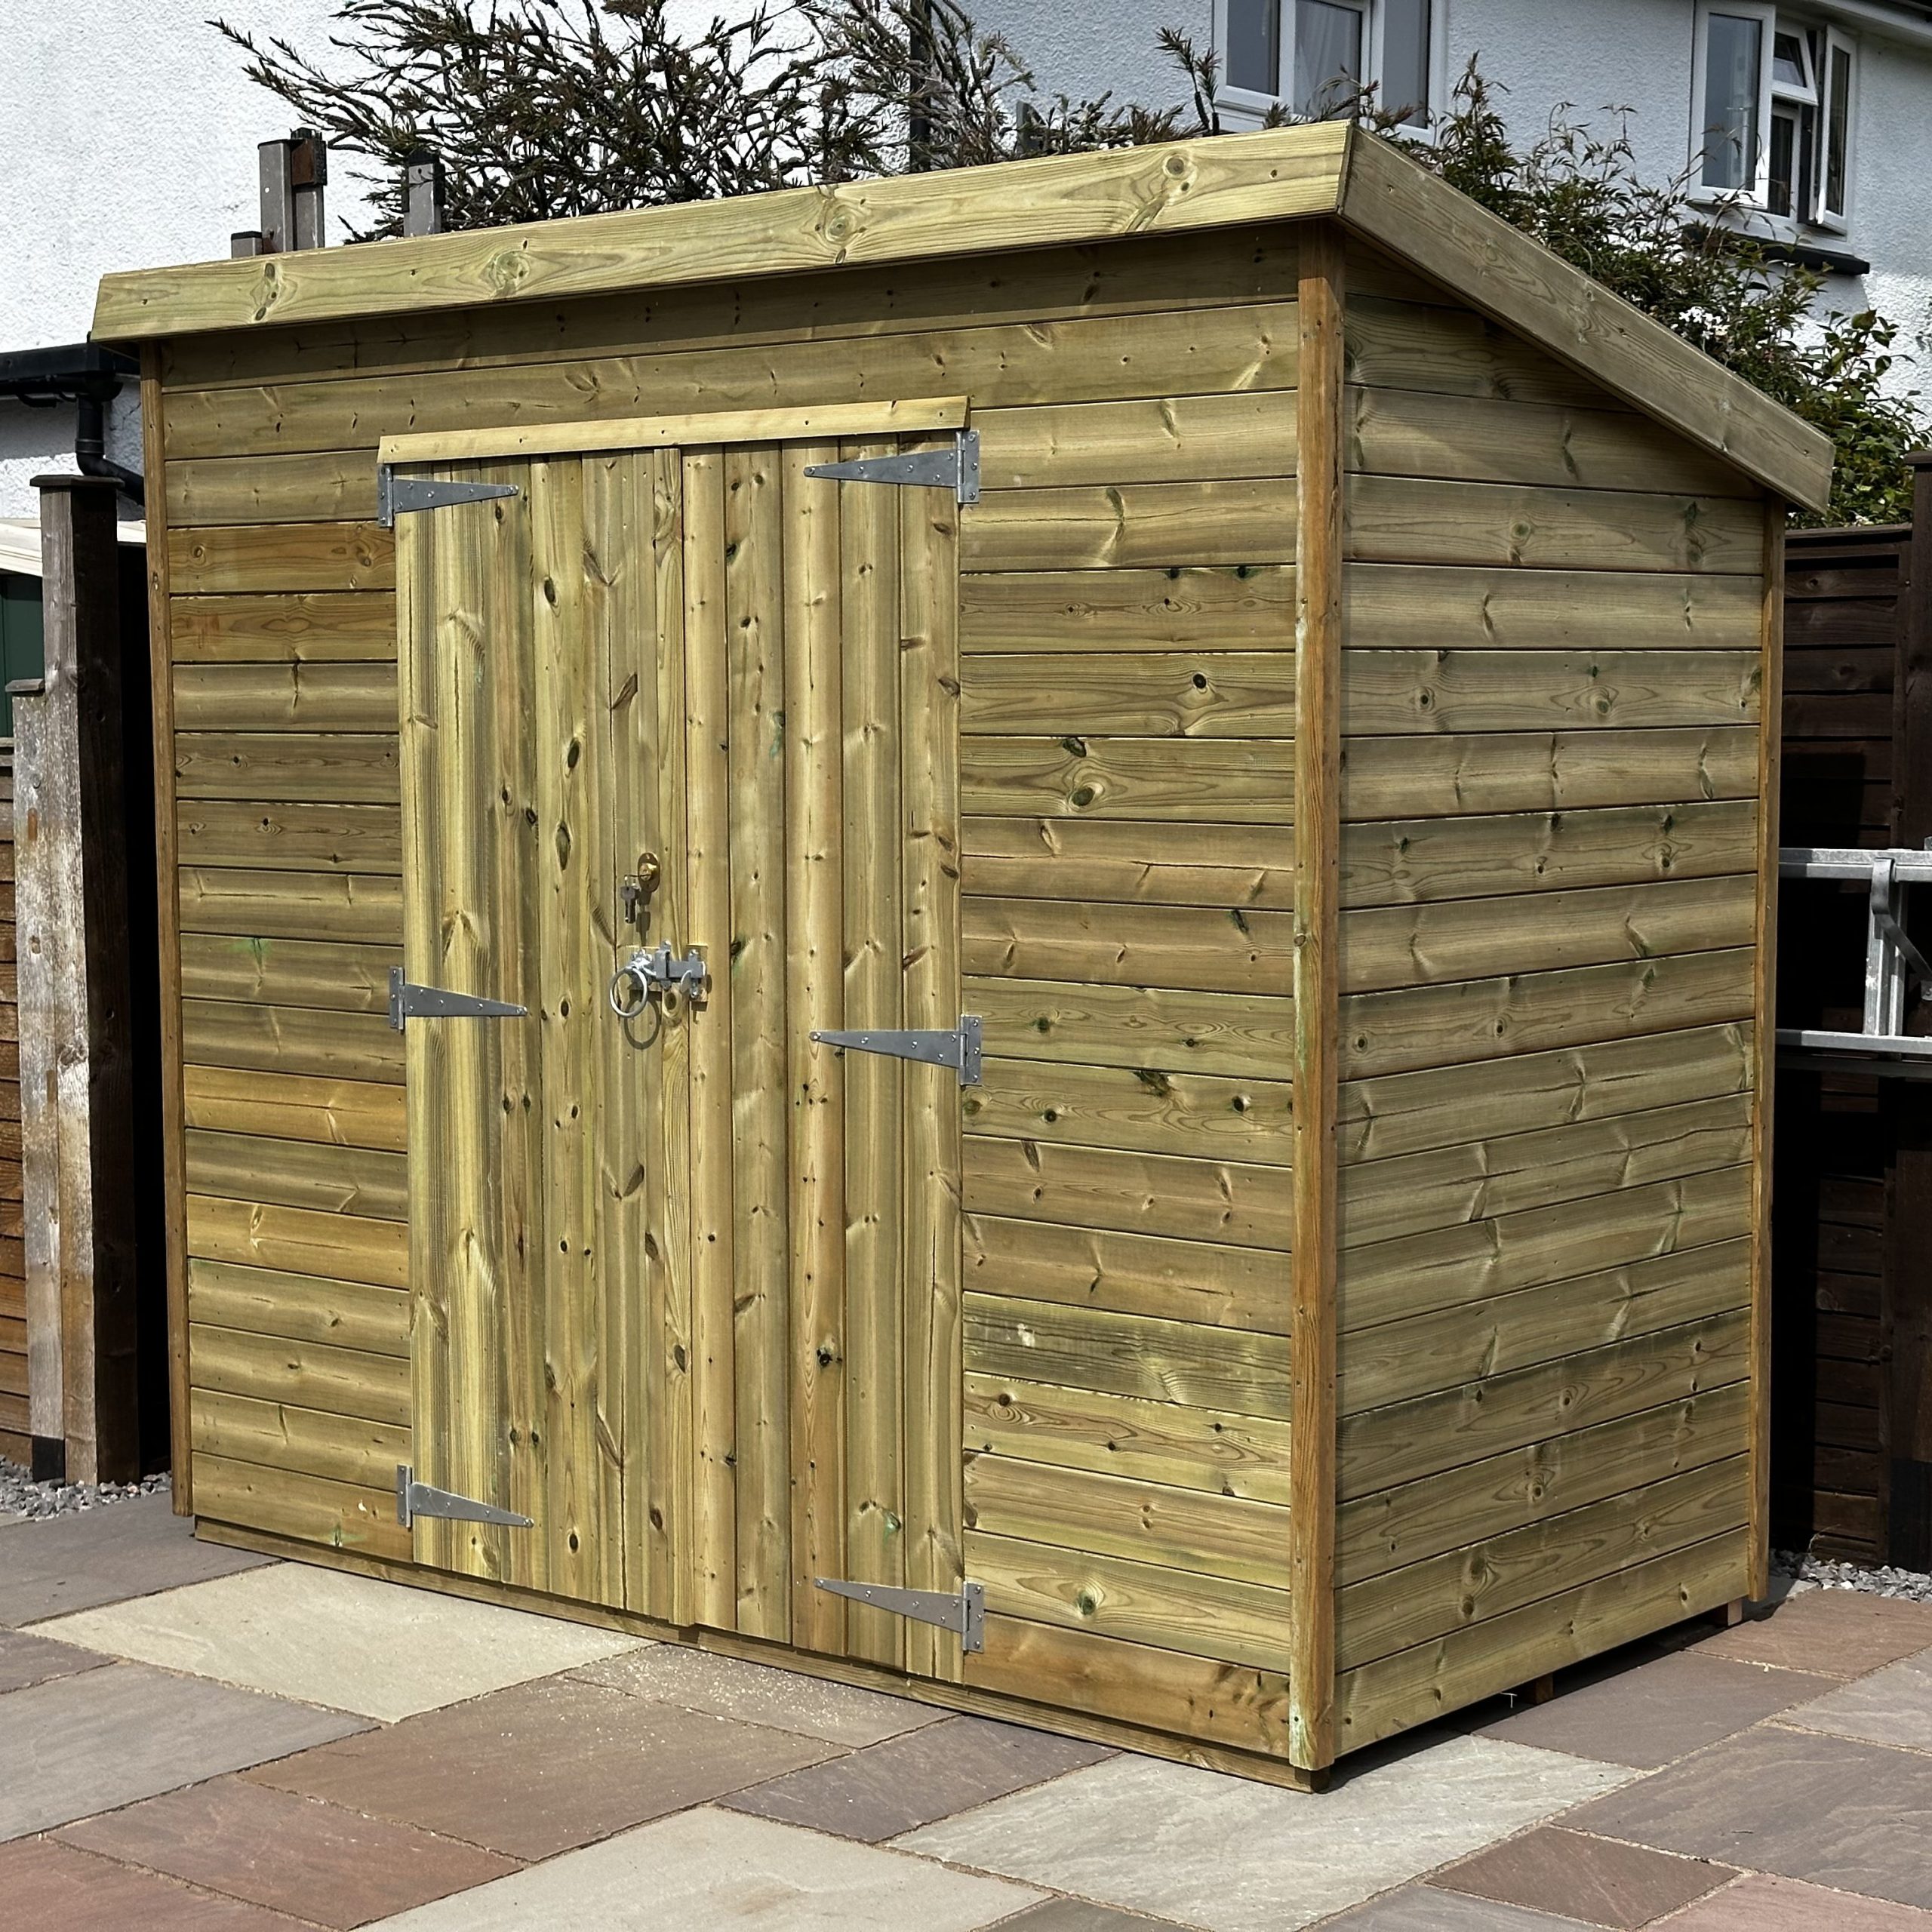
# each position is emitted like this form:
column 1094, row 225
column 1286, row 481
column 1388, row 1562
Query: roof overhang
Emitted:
column 1324, row 169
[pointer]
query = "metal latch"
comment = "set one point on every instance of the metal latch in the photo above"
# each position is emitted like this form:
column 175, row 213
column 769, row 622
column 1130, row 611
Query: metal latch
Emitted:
column 408, row 1001
column 651, row 970
column 957, row 469
column 415, row 1499
column 958, row 1048
column 964, row 1611
column 396, row 496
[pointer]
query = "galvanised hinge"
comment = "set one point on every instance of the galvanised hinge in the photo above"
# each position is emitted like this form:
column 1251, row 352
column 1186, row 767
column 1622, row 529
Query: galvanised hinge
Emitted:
column 415, row 1499
column 957, row 469
column 408, row 1001
column 958, row 1047
column 396, row 496
column 964, row 1609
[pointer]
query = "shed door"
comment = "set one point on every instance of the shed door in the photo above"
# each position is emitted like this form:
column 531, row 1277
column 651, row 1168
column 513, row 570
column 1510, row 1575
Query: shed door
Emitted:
column 686, row 1289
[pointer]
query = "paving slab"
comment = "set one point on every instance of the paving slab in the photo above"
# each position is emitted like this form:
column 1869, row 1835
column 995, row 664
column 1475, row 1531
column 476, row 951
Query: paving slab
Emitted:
column 1077, row 1915
column 1891, row 1706
column 1759, row 1904
column 1423, row 1908
column 1234, row 1855
column 542, row 1768
column 1598, row 1880
column 353, row 1642
column 1836, row 1633
column 51, row 1888
column 1852, row 1816
column 87, row 1743
column 927, row 1775
column 758, row 1693
column 314, row 1860
column 1656, row 1711
column 26, row 1660
column 105, row 1555
column 713, row 1871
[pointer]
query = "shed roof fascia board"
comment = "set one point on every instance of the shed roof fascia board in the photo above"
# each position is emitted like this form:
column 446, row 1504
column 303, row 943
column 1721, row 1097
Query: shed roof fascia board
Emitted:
column 1279, row 174
column 1055, row 201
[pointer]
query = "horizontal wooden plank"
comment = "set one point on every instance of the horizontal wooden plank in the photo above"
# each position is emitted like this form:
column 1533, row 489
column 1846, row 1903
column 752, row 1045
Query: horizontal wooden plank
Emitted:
column 1148, row 694
column 1424, row 776
column 345, row 1113
column 1450, row 1267
column 1415, row 339
column 1383, row 1448
column 1131, row 526
column 1178, row 1529
column 1413, row 860
column 1472, row 939
column 1244, row 1372
column 1456, row 1508
column 282, row 1435
column 289, row 837
column 1462, row 1343
column 1148, row 1194
column 290, row 1039
column 296, row 1173
column 328, row 486
column 1129, row 862
column 309, row 1508
column 1250, row 783
column 299, row 767
column 301, row 628
column 299, row 1240
column 1237, row 1035
column 323, row 696
column 1407, row 1113
column 352, row 908
column 1164, row 1442
column 288, row 972
column 1244, row 608
column 299, row 1308
column 1152, row 439
column 1199, row 1115
column 1474, row 1019
column 254, row 557
column 1462, row 1588
column 1207, row 949
column 1175, row 1610
column 310, row 1375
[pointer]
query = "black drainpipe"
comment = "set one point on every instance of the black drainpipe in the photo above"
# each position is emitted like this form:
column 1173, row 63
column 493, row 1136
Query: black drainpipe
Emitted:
column 88, row 377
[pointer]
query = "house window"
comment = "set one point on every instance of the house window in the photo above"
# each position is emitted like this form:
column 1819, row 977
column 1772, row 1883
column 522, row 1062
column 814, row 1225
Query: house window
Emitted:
column 1775, row 98
column 1315, row 56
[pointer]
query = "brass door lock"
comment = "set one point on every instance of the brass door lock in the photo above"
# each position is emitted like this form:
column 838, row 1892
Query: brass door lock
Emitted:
column 634, row 894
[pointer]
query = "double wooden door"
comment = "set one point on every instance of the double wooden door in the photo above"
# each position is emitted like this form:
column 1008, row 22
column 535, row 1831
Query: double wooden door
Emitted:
column 686, row 1286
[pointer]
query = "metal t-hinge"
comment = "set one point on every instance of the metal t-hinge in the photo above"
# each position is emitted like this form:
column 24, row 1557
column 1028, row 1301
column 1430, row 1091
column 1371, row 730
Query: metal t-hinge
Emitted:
column 396, row 496
column 408, row 1001
column 964, row 1611
column 958, row 1048
column 415, row 1499
column 957, row 469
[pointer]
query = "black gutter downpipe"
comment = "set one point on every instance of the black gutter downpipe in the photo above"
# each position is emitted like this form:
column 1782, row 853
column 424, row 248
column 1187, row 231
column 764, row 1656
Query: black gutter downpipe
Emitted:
column 90, row 454
column 89, row 376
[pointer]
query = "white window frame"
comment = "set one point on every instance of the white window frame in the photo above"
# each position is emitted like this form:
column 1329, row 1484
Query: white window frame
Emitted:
column 1838, row 220
column 1758, row 190
column 1245, row 105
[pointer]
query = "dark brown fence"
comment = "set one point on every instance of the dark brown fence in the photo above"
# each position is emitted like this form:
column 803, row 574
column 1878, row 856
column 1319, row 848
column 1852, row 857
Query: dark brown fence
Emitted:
column 1852, row 1332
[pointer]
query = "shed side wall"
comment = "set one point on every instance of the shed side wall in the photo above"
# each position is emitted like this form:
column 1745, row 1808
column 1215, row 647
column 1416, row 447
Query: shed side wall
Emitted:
column 1549, row 885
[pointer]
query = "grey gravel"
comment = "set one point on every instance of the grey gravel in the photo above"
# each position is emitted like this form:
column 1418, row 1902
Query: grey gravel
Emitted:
column 21, row 1496
column 1823, row 1573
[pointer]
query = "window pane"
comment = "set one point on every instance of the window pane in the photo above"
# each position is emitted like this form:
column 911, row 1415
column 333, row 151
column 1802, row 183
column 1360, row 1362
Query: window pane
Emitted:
column 1729, row 134
column 1255, row 45
column 1328, row 56
column 1787, row 68
column 1784, row 129
column 1404, row 75
column 1838, row 128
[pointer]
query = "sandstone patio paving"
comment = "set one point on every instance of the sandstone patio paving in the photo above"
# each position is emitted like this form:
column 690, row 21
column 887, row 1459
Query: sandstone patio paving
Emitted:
column 1424, row 1909
column 314, row 1860
column 1758, row 1904
column 1853, row 1816
column 1891, row 1706
column 1837, row 1633
column 1595, row 1880
column 911, row 1780
column 758, row 1693
column 50, row 1887
column 713, row 1871
column 103, row 1556
column 25, row 1659
column 83, row 1744
column 1077, row 1915
column 328, row 1638
column 1651, row 1713
column 544, row 1767
column 1236, row 1856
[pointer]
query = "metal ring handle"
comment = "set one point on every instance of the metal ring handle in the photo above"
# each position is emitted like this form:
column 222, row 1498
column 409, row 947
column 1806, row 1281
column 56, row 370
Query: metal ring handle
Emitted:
column 624, row 1012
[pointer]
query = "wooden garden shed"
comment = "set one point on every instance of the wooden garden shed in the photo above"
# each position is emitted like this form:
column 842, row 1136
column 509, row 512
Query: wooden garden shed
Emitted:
column 1241, row 676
